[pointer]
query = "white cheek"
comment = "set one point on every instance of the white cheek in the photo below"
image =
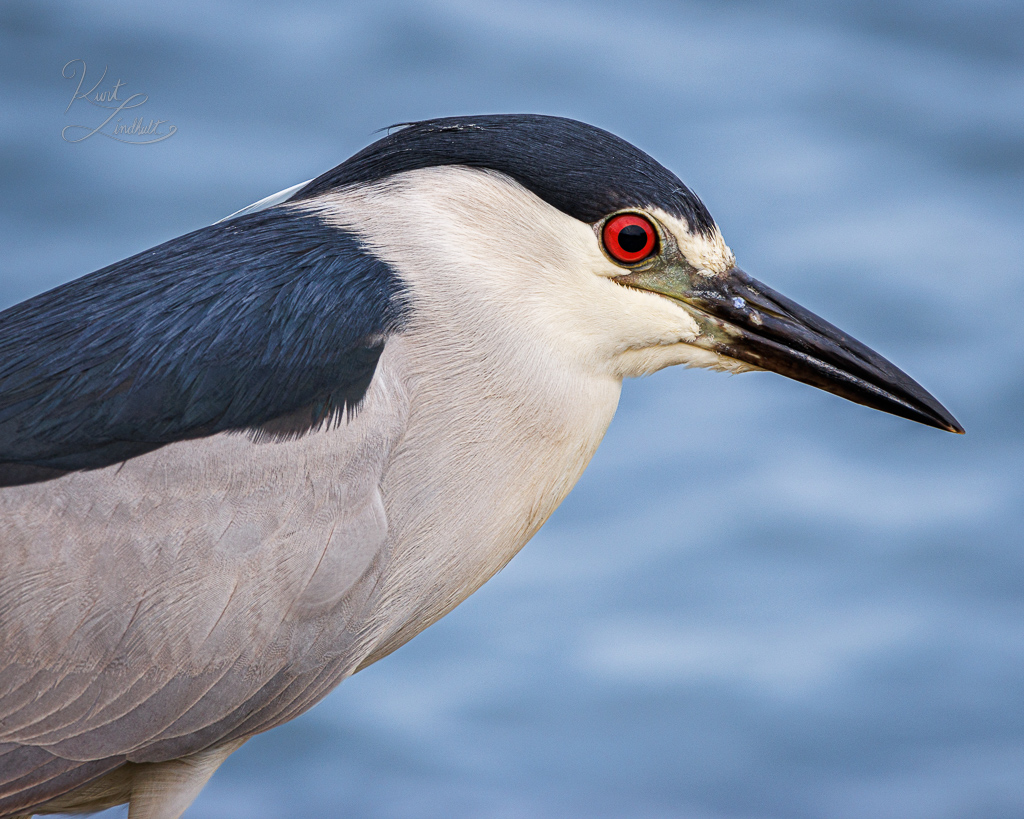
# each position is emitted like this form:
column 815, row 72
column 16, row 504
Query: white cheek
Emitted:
column 650, row 320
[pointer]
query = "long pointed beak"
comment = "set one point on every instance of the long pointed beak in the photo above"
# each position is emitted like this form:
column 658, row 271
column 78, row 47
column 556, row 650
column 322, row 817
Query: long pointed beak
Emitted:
column 744, row 319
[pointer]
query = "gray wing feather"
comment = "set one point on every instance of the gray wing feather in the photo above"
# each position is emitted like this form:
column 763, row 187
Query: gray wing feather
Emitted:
column 202, row 592
column 35, row 776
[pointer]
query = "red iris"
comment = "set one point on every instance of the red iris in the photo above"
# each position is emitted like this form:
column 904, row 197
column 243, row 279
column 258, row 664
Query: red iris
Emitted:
column 629, row 238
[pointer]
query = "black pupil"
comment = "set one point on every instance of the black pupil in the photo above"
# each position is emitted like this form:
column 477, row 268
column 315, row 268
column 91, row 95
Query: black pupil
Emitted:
column 632, row 238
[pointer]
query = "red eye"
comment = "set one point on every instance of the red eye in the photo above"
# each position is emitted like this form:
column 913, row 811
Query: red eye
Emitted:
column 629, row 238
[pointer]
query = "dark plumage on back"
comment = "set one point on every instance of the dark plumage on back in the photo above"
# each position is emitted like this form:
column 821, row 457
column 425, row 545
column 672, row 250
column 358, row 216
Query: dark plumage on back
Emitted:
column 271, row 316
column 581, row 170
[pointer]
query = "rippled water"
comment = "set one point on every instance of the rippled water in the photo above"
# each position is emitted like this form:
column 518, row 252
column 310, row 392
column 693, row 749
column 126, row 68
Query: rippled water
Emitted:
column 760, row 601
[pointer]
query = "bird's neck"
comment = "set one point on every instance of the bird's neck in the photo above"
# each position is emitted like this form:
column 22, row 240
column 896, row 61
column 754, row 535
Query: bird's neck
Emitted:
column 491, row 448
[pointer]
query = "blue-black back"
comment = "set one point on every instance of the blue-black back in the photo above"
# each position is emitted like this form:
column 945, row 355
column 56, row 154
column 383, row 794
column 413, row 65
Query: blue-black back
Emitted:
column 270, row 317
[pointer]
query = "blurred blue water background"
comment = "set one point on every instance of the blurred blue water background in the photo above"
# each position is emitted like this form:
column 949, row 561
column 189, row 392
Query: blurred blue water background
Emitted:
column 760, row 602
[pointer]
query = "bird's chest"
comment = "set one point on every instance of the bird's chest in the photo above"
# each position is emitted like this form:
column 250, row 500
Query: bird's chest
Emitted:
column 486, row 458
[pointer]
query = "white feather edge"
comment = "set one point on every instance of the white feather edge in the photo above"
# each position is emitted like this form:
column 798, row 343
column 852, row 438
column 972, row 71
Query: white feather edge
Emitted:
column 267, row 201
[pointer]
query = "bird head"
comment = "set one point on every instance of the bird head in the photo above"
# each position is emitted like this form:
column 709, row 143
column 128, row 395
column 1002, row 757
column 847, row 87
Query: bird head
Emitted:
column 589, row 235
column 742, row 324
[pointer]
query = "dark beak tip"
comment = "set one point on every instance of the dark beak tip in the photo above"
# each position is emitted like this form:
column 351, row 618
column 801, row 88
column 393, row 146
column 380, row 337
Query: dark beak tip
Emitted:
column 927, row 411
column 939, row 417
column 934, row 413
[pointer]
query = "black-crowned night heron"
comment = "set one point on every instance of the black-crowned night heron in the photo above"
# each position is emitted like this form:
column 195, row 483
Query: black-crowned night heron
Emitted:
column 242, row 465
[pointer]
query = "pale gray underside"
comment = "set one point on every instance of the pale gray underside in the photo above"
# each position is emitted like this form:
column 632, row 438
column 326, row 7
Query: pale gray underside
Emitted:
column 203, row 592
